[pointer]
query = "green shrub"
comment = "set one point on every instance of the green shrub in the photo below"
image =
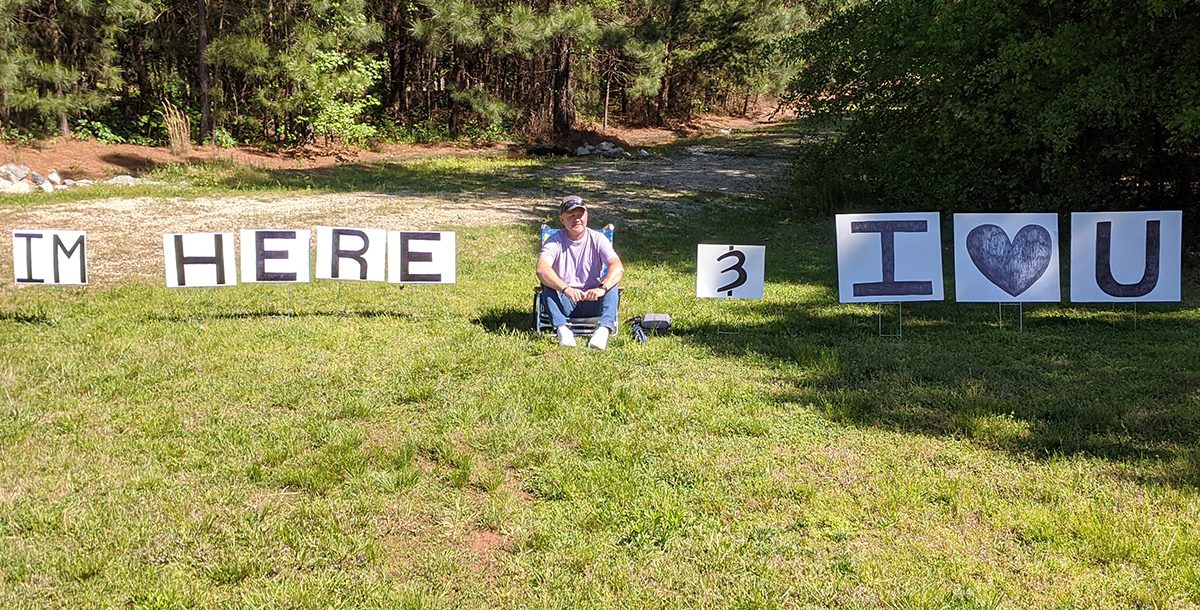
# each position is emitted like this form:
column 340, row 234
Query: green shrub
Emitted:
column 1000, row 105
column 86, row 129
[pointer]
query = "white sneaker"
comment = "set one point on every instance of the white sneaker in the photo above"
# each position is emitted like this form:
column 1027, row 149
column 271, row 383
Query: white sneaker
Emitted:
column 600, row 338
column 566, row 338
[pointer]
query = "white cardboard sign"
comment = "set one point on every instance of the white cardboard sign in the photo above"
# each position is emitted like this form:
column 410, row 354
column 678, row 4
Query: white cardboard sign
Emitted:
column 351, row 254
column 49, row 257
column 1126, row 256
column 276, row 256
column 1002, row 258
column 199, row 260
column 421, row 257
column 729, row 272
column 889, row 257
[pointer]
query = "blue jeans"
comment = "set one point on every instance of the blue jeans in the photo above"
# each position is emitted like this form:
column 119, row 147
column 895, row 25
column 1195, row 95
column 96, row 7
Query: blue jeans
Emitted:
column 560, row 308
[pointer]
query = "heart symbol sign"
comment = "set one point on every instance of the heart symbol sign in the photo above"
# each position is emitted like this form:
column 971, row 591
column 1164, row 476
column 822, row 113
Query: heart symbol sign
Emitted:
column 1013, row 266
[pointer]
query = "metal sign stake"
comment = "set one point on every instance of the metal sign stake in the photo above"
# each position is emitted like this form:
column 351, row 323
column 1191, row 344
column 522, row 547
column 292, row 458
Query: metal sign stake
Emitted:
column 1020, row 314
column 900, row 324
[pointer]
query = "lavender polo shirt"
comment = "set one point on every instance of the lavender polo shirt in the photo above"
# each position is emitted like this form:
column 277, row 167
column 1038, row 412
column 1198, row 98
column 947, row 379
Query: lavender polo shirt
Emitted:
column 578, row 263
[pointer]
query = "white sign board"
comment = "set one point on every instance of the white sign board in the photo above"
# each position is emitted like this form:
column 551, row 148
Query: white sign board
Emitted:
column 889, row 257
column 1006, row 258
column 729, row 272
column 49, row 257
column 276, row 256
column 351, row 254
column 421, row 257
column 199, row 259
column 1126, row 256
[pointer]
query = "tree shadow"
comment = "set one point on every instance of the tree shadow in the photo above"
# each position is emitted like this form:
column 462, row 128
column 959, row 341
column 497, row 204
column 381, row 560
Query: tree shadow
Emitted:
column 133, row 164
column 1073, row 382
column 278, row 313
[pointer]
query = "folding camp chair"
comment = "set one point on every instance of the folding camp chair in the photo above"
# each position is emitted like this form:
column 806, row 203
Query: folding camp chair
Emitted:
column 581, row 326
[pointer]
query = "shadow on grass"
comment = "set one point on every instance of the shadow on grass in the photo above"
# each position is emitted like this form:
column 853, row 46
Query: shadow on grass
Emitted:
column 430, row 175
column 21, row 317
column 1074, row 382
column 280, row 313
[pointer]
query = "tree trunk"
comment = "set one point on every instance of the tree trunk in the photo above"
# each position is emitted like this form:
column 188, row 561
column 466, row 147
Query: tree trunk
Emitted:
column 607, row 95
column 206, row 126
column 562, row 106
column 664, row 89
column 397, row 52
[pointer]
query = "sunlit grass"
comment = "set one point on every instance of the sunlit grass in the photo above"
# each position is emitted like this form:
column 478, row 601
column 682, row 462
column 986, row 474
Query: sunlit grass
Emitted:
column 363, row 445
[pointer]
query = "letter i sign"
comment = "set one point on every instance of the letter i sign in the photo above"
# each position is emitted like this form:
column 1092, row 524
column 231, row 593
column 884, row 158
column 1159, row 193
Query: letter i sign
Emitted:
column 729, row 272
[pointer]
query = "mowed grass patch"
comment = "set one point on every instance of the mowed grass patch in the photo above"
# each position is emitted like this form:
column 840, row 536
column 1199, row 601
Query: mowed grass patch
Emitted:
column 363, row 445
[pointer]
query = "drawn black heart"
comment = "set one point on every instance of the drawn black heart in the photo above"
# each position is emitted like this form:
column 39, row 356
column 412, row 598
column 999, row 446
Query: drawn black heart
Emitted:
column 1014, row 265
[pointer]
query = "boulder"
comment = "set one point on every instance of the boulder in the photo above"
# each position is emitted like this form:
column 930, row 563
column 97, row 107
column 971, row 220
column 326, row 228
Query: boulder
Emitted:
column 122, row 180
column 54, row 178
column 642, row 153
column 15, row 173
column 586, row 149
column 16, row 187
column 605, row 147
column 41, row 182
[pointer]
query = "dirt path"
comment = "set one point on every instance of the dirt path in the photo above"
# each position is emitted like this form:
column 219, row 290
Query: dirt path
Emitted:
column 125, row 235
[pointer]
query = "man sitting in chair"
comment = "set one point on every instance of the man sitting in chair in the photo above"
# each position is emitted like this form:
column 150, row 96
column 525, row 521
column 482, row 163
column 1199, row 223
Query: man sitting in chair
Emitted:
column 569, row 268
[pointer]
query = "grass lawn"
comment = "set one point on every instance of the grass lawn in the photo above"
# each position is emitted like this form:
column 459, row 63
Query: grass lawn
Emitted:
column 339, row 445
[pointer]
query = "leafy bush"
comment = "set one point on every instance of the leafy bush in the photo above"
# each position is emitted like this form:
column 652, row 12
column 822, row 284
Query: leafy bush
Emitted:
column 223, row 139
column 1004, row 105
column 87, row 129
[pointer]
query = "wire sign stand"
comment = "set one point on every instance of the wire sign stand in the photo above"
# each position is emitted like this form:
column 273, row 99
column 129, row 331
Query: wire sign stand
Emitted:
column 899, row 334
column 1113, row 309
column 1020, row 305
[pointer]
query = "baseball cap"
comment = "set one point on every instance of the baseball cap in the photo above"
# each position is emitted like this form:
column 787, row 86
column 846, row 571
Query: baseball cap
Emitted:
column 570, row 202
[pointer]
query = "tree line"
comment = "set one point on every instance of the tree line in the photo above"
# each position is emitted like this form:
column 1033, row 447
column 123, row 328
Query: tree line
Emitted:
column 294, row 72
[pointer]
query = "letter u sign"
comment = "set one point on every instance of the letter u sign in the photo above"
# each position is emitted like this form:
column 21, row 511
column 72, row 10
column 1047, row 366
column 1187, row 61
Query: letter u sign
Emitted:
column 1126, row 256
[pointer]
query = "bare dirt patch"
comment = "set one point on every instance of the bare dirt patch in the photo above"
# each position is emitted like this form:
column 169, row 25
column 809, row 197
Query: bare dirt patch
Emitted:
column 76, row 159
column 484, row 544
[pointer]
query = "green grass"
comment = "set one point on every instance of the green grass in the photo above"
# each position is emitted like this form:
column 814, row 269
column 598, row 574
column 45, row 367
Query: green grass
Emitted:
column 360, row 445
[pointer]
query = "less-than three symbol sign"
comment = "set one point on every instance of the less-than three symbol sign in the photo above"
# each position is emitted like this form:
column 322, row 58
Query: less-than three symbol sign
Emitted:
column 729, row 272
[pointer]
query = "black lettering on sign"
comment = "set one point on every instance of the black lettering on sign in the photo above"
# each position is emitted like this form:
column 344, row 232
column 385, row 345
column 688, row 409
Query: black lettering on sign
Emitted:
column 1104, row 276
column 262, row 255
column 68, row 253
column 407, row 256
column 218, row 259
column 28, row 237
column 738, row 266
column 887, row 230
column 357, row 255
